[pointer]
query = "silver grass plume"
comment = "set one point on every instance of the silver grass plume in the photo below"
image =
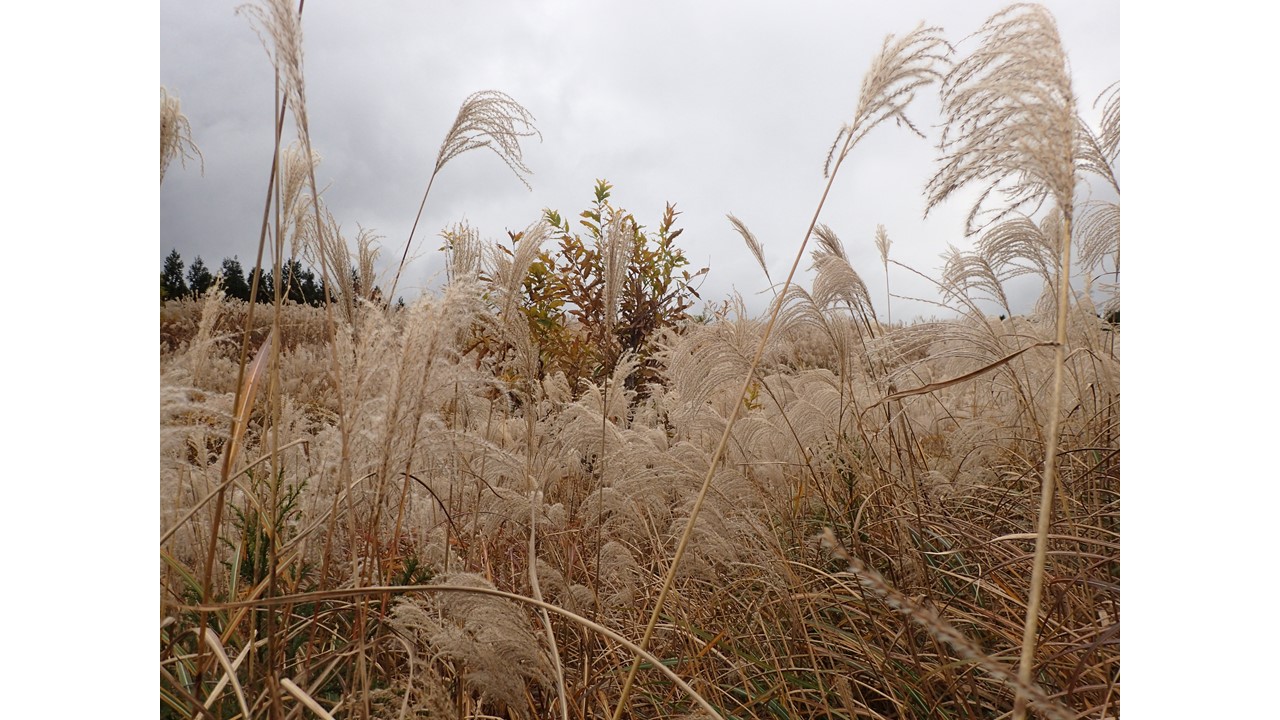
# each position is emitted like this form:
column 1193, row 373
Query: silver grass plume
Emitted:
column 964, row 273
column 1098, row 237
column 486, row 119
column 1090, row 157
column 1098, row 153
column 1020, row 246
column 829, row 243
column 1046, row 303
column 509, row 273
column 367, row 251
column 490, row 119
column 1098, row 233
column 488, row 639
column 295, row 168
column 1110, row 135
column 835, row 280
column 175, row 134
column 279, row 27
column 757, row 250
column 463, row 252
column 882, row 244
column 1098, row 230
column 325, row 246
column 1010, row 120
column 903, row 66
column 618, row 242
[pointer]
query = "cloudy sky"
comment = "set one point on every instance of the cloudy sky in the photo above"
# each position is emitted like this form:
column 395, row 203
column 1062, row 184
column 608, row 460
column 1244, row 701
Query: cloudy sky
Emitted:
column 717, row 107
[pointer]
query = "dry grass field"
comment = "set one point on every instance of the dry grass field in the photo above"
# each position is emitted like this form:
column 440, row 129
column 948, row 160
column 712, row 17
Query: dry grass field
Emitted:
column 475, row 507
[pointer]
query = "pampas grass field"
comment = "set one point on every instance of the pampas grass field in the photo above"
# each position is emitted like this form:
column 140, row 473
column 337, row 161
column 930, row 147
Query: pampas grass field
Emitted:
column 817, row 512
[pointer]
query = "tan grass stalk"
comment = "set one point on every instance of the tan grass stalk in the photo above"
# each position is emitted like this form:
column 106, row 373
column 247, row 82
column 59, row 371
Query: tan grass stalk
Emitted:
column 929, row 619
column 1050, row 476
column 252, row 381
column 535, row 506
column 211, row 639
column 226, row 677
column 1012, row 127
column 280, row 28
column 304, row 698
column 247, row 384
column 248, row 380
column 902, row 67
column 941, row 384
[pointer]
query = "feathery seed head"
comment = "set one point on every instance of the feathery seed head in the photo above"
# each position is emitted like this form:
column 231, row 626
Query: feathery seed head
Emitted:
column 175, row 134
column 757, row 250
column 882, row 244
column 494, row 120
column 1010, row 120
column 903, row 66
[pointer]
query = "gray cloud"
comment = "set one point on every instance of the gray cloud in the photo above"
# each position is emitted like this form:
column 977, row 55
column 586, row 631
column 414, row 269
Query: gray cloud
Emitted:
column 718, row 107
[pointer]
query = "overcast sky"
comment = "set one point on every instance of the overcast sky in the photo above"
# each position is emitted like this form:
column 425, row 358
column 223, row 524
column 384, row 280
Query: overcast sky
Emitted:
column 717, row 107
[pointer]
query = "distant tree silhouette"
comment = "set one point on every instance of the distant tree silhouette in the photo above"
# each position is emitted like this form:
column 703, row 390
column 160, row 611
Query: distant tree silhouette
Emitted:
column 312, row 293
column 291, row 276
column 266, row 287
column 199, row 277
column 325, row 292
column 233, row 282
column 172, row 286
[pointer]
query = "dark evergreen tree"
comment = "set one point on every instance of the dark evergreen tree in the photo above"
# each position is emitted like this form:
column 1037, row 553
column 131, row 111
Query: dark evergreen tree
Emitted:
column 300, row 283
column 325, row 294
column 290, row 281
column 233, row 282
column 312, row 294
column 199, row 277
column 266, row 291
column 172, row 286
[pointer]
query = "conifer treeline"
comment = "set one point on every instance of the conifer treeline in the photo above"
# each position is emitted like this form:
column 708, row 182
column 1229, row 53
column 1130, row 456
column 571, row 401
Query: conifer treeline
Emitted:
column 300, row 284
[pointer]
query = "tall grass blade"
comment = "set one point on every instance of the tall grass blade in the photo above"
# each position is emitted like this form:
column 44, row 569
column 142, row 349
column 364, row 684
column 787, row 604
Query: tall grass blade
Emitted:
column 304, row 698
column 215, row 644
